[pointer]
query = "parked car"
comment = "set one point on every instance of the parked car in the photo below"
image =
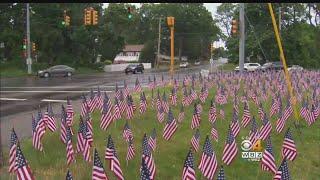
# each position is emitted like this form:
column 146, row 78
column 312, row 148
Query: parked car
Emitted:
column 58, row 70
column 295, row 68
column 249, row 67
column 277, row 65
column 184, row 65
column 134, row 68
column 197, row 63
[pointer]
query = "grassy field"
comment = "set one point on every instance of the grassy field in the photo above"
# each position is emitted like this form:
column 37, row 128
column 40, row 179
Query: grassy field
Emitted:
column 170, row 155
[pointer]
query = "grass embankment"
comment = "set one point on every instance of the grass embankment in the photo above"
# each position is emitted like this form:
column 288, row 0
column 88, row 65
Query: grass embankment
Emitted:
column 170, row 155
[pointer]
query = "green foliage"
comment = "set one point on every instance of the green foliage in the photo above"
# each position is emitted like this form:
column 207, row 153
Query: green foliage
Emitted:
column 107, row 62
column 299, row 33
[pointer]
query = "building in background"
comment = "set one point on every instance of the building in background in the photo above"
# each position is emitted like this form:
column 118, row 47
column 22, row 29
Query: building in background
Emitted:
column 130, row 53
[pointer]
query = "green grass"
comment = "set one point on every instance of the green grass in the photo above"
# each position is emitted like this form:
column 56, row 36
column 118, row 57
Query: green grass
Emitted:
column 12, row 72
column 228, row 67
column 170, row 155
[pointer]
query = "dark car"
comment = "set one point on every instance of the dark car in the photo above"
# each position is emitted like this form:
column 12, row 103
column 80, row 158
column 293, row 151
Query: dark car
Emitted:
column 134, row 68
column 58, row 70
column 277, row 65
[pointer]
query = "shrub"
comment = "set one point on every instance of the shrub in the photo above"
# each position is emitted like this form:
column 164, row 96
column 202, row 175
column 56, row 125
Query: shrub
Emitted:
column 107, row 62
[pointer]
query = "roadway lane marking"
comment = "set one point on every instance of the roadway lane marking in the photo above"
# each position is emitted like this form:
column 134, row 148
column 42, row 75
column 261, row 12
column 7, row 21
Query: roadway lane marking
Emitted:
column 53, row 100
column 47, row 91
column 12, row 99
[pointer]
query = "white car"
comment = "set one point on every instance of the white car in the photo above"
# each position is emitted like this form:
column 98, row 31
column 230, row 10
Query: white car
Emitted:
column 249, row 67
column 197, row 63
column 295, row 68
column 184, row 65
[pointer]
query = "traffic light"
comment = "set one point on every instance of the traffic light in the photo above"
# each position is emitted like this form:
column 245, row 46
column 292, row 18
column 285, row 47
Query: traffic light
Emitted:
column 129, row 12
column 234, row 28
column 94, row 17
column 24, row 46
column 87, row 16
column 34, row 47
column 67, row 20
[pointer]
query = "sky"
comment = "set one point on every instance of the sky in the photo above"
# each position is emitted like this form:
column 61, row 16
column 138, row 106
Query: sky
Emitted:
column 212, row 7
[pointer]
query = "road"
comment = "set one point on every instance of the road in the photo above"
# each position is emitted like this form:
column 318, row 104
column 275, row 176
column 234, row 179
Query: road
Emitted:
column 20, row 97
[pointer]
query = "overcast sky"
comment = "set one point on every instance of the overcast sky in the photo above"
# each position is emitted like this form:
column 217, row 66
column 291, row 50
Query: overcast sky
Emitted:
column 212, row 7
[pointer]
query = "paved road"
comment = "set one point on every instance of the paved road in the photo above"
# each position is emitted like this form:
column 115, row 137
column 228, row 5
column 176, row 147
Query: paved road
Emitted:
column 20, row 97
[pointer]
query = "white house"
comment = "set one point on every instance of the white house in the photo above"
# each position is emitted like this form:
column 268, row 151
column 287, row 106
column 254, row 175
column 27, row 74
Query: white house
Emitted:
column 130, row 53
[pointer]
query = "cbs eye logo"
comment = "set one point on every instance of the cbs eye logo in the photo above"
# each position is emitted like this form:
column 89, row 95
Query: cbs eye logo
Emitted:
column 246, row 145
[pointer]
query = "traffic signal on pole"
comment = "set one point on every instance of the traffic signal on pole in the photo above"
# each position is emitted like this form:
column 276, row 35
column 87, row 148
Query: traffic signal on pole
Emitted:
column 87, row 16
column 234, row 28
column 24, row 46
column 67, row 20
column 94, row 17
column 129, row 12
column 34, row 47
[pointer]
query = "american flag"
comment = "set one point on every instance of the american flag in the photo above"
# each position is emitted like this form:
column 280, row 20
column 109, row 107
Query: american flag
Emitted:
column 122, row 102
column 116, row 109
column 235, row 127
column 152, row 99
column 106, row 117
column 195, row 140
column 99, row 99
column 274, row 107
column 246, row 116
column 212, row 112
column 127, row 133
column 280, row 122
column 145, row 173
column 137, row 87
column 13, row 151
column 311, row 116
column 289, row 147
column 38, row 126
column 283, row 171
column 125, row 89
column 22, row 168
column 214, row 132
column 87, row 143
column 195, row 123
column 165, row 103
column 150, row 83
column 230, row 149
column 235, row 104
column 159, row 104
column 117, row 91
column 254, row 133
column 143, row 103
column 184, row 97
column 268, row 161
column 193, row 94
column 69, row 176
column 49, row 119
column 70, row 112
column 265, row 129
column 199, row 108
column 98, row 172
column 111, row 155
column 221, row 175
column 131, row 151
column 203, row 94
column 176, row 83
column 261, row 111
column 152, row 141
column 208, row 163
column 92, row 101
column 160, row 114
column 81, row 137
column 69, row 148
column 84, row 106
column 147, row 157
column 171, row 126
column 188, row 172
column 304, row 109
column 88, row 123
column 287, row 112
column 173, row 97
column 107, row 100
column 181, row 115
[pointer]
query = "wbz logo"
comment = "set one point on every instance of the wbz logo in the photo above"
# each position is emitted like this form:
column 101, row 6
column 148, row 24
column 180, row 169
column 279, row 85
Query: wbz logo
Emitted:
column 251, row 152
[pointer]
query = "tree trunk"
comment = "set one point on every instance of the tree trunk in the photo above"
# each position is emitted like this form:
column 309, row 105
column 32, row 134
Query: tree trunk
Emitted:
column 309, row 14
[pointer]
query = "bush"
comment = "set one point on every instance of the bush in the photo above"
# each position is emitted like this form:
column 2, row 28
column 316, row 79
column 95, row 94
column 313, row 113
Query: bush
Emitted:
column 107, row 62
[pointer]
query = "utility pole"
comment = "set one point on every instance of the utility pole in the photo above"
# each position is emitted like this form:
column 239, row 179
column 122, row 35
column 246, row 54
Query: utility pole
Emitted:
column 279, row 19
column 29, row 60
column 159, row 42
column 242, row 38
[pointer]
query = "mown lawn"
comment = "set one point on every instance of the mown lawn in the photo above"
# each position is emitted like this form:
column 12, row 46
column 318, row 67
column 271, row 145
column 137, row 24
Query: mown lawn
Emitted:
column 170, row 155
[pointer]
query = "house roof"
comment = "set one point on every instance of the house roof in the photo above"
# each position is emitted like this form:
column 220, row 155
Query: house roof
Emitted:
column 131, row 48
